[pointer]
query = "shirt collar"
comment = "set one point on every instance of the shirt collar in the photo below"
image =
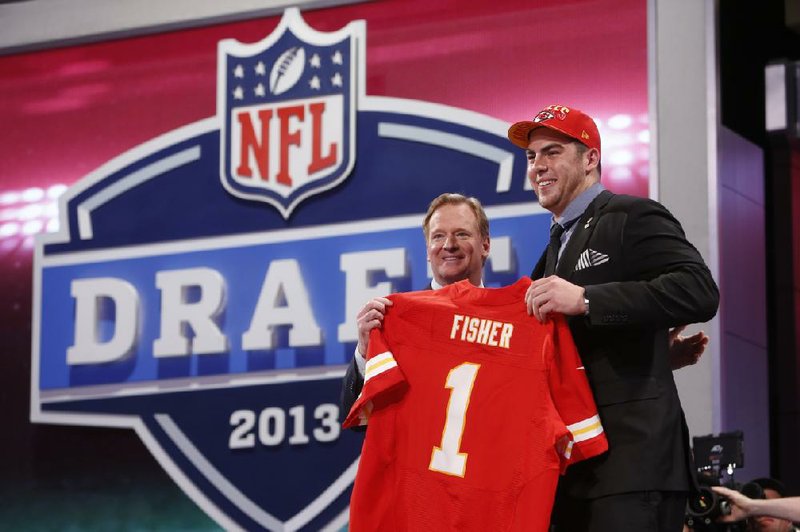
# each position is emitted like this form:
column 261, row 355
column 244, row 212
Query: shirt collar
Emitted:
column 579, row 205
column 436, row 286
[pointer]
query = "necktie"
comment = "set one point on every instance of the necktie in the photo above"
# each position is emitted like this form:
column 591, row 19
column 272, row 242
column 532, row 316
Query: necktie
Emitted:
column 556, row 230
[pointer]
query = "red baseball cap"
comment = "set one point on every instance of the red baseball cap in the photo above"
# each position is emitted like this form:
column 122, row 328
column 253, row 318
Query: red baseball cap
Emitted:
column 567, row 120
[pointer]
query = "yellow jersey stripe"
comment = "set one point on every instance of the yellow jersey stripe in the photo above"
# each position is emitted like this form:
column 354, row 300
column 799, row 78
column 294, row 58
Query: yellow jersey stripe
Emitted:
column 586, row 429
column 378, row 364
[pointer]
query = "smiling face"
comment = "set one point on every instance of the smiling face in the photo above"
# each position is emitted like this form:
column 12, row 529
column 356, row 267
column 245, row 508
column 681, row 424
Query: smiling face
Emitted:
column 456, row 248
column 559, row 168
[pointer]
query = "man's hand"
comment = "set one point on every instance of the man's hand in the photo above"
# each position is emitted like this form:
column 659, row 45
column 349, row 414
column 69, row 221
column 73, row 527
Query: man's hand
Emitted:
column 369, row 317
column 741, row 505
column 554, row 294
column 685, row 350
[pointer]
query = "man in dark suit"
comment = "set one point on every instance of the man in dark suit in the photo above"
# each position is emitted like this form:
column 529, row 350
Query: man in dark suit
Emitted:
column 621, row 269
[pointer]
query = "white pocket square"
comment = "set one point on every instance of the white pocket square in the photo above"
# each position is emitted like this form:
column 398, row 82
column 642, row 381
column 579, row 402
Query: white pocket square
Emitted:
column 589, row 258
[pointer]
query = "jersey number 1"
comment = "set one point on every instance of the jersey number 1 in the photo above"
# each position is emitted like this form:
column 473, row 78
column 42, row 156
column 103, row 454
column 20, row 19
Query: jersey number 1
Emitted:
column 446, row 458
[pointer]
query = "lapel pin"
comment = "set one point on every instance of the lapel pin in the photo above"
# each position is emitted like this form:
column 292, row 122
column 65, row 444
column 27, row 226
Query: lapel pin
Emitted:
column 589, row 221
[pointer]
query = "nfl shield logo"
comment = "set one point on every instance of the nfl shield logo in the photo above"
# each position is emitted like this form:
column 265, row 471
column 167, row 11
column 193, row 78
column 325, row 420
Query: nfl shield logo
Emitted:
column 287, row 111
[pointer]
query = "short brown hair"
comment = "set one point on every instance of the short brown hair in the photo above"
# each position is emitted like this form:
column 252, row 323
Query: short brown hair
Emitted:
column 583, row 148
column 450, row 198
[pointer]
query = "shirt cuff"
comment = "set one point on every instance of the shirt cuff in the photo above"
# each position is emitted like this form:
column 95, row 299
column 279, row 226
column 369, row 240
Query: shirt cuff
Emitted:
column 361, row 363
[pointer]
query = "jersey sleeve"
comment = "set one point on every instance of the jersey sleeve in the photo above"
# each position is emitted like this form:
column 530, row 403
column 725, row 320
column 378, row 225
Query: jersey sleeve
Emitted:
column 573, row 399
column 381, row 375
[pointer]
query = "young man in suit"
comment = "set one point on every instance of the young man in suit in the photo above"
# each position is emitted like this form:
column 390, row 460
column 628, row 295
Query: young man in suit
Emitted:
column 621, row 269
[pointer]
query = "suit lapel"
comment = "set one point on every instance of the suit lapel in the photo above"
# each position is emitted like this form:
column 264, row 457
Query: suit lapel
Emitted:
column 580, row 236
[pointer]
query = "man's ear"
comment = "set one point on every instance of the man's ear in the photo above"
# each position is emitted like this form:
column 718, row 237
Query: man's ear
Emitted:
column 592, row 159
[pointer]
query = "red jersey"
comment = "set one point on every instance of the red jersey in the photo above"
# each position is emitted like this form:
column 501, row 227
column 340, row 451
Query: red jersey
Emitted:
column 474, row 408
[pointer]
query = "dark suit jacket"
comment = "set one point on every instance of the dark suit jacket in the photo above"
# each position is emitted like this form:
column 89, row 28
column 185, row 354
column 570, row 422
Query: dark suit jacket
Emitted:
column 653, row 279
column 351, row 387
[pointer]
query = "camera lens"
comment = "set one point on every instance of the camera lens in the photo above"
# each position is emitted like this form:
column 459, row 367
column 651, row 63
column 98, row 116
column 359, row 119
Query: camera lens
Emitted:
column 702, row 503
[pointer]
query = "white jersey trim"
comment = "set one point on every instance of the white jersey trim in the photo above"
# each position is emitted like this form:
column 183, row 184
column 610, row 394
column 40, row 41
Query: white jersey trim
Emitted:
column 379, row 364
column 586, row 429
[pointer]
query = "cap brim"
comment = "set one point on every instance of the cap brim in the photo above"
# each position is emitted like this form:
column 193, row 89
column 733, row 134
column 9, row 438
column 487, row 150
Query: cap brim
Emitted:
column 518, row 133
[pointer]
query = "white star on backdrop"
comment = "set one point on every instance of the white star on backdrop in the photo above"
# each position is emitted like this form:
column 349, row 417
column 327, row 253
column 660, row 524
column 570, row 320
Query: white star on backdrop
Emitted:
column 314, row 61
column 336, row 80
column 337, row 58
column 314, row 83
column 238, row 93
column 259, row 90
column 261, row 69
column 238, row 72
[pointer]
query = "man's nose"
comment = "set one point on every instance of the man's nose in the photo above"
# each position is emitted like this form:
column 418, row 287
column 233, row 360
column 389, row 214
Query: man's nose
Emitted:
column 537, row 165
column 536, row 169
column 450, row 242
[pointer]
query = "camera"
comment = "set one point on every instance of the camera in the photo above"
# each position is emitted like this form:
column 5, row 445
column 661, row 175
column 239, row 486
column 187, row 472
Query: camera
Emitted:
column 715, row 458
column 704, row 507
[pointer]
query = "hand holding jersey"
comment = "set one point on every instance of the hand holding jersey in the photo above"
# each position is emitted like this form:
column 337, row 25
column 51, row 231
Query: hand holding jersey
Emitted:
column 553, row 294
column 370, row 317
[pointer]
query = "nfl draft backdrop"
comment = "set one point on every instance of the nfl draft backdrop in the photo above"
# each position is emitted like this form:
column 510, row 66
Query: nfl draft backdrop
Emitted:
column 203, row 287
